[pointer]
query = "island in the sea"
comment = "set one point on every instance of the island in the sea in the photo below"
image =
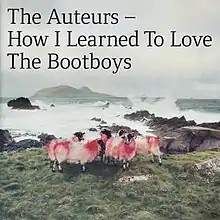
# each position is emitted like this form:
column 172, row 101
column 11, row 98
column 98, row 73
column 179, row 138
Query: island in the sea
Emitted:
column 83, row 94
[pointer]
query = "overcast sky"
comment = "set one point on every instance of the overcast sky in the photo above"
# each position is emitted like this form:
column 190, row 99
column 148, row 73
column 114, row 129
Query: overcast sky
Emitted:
column 165, row 71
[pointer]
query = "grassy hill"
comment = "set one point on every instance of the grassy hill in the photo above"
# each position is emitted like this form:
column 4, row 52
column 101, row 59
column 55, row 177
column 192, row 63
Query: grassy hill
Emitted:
column 29, row 190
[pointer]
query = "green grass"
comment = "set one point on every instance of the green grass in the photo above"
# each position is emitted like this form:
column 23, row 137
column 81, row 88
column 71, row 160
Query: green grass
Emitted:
column 29, row 190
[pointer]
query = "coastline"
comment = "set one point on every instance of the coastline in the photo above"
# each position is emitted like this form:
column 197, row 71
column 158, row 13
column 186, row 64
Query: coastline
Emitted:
column 177, row 135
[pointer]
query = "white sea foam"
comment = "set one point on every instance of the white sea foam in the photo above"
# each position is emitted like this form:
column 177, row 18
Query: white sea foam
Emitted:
column 167, row 108
column 63, row 120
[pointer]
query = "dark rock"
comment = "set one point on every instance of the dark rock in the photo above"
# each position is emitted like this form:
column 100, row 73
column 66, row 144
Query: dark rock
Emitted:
column 7, row 143
column 22, row 103
column 103, row 122
column 52, row 105
column 181, row 143
column 159, row 124
column 93, row 129
column 22, row 145
column 162, row 125
column 138, row 115
column 28, row 143
column 5, row 138
column 208, row 144
column 186, row 140
column 196, row 141
column 96, row 119
column 213, row 125
column 45, row 138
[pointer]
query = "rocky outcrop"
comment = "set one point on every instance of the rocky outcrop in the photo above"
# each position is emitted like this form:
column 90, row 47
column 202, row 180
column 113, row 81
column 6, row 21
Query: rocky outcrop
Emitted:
column 5, row 138
column 179, row 135
column 103, row 122
column 187, row 139
column 139, row 115
column 21, row 103
column 99, row 120
column 162, row 126
column 8, row 144
column 45, row 138
column 22, row 145
column 93, row 129
column 213, row 125
column 96, row 119
column 205, row 169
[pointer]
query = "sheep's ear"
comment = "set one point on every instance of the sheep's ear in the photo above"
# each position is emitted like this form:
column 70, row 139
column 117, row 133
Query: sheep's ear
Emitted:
column 120, row 132
column 132, row 134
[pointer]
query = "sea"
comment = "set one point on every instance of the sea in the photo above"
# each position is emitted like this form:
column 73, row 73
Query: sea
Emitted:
column 69, row 115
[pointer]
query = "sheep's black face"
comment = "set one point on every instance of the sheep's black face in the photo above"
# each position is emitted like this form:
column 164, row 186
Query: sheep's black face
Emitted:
column 121, row 132
column 107, row 133
column 79, row 135
column 128, row 138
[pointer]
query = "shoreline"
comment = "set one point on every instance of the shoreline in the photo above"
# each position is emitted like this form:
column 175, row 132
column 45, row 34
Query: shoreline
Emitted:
column 177, row 135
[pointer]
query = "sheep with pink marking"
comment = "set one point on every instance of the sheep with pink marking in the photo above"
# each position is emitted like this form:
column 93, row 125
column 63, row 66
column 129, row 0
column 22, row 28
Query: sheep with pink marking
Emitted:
column 121, row 148
column 78, row 152
column 149, row 146
column 55, row 143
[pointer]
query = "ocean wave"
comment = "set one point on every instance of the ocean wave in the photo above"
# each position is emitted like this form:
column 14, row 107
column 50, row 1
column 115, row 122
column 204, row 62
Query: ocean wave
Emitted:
column 64, row 119
column 167, row 108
